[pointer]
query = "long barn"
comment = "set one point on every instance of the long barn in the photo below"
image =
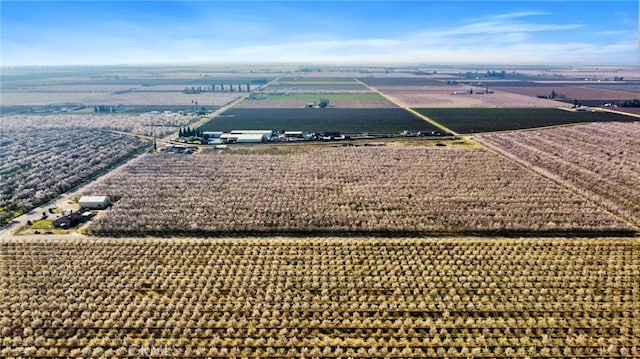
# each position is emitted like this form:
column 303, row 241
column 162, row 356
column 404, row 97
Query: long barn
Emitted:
column 94, row 202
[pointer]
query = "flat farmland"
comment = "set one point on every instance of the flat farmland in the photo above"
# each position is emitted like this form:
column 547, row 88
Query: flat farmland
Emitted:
column 148, row 124
column 599, row 160
column 109, row 98
column 329, row 298
column 447, row 99
column 570, row 92
column 432, row 93
column 383, row 191
column 629, row 110
column 129, row 86
column 346, row 120
column 385, row 82
column 300, row 100
column 472, row 120
column 301, row 84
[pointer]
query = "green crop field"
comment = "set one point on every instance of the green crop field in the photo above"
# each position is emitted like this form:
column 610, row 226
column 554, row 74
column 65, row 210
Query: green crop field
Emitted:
column 309, row 97
column 471, row 120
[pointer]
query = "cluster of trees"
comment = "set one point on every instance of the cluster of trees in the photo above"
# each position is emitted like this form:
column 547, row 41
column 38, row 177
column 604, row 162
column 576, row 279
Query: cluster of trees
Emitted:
column 189, row 132
column 218, row 88
column 108, row 109
column 601, row 161
column 552, row 95
column 357, row 190
column 495, row 74
column 630, row 103
column 320, row 298
column 36, row 165
column 148, row 124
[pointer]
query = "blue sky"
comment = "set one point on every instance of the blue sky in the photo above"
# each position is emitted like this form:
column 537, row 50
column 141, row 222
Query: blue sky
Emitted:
column 348, row 32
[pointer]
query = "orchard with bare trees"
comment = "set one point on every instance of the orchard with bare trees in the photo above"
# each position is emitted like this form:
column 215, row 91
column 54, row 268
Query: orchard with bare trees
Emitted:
column 292, row 298
column 36, row 165
column 362, row 190
column 600, row 160
column 147, row 124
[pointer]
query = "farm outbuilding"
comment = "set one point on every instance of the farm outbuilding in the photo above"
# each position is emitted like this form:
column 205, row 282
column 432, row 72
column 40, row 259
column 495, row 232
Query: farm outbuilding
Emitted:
column 244, row 138
column 94, row 202
column 267, row 133
column 212, row 134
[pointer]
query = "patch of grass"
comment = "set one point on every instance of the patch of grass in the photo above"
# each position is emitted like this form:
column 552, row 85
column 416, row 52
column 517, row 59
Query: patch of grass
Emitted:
column 42, row 224
column 462, row 143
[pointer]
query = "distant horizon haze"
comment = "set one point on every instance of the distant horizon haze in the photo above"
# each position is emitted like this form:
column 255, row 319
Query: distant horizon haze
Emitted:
column 453, row 33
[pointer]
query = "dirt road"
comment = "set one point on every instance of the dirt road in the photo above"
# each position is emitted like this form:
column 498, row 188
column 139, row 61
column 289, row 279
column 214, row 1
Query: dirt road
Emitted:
column 404, row 106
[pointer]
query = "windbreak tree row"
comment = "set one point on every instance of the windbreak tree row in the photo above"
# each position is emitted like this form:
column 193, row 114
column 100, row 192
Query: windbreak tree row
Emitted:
column 359, row 298
column 346, row 190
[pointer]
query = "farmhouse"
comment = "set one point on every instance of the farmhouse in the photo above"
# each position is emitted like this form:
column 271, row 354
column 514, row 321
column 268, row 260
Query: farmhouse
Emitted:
column 72, row 219
column 178, row 149
column 94, row 202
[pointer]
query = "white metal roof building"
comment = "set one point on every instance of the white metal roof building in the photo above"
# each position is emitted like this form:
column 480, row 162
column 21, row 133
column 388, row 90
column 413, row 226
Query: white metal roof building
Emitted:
column 94, row 202
column 248, row 132
column 244, row 138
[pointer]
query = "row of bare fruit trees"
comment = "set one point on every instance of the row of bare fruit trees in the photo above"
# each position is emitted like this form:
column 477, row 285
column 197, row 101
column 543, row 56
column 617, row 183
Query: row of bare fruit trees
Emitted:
column 600, row 160
column 320, row 298
column 38, row 164
column 358, row 190
column 148, row 124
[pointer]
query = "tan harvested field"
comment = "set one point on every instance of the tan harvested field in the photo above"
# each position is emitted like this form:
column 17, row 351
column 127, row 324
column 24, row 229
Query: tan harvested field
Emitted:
column 147, row 124
column 497, row 99
column 347, row 190
column 573, row 92
column 600, row 73
column 134, row 98
column 599, row 160
column 416, row 92
column 320, row 298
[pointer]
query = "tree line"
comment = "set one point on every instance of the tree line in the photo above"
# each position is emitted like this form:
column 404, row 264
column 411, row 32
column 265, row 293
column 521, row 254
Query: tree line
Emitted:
column 218, row 88
column 189, row 132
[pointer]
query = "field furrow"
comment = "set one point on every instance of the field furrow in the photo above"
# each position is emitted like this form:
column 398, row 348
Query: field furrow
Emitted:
column 417, row 298
column 599, row 160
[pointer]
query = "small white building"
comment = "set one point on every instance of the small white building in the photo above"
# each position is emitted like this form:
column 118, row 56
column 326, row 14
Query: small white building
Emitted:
column 244, row 138
column 94, row 202
column 212, row 134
